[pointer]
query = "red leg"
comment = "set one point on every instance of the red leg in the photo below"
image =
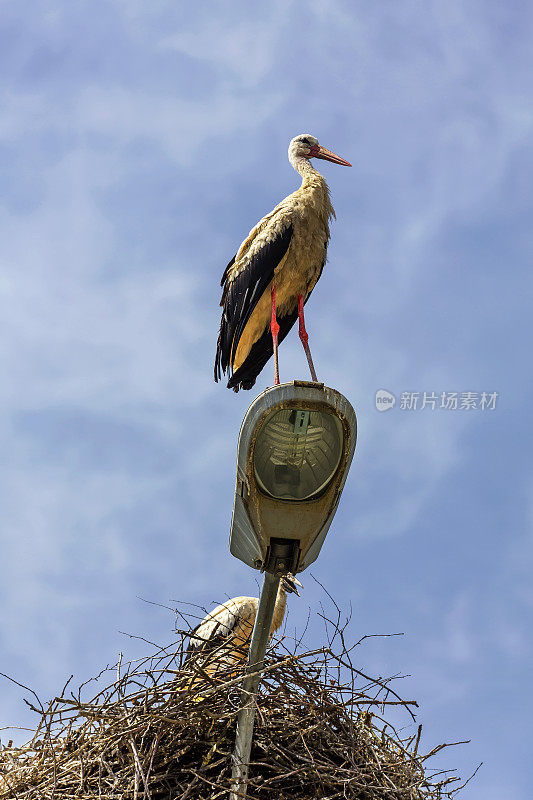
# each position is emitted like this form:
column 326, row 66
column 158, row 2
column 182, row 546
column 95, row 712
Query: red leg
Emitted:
column 305, row 338
column 274, row 327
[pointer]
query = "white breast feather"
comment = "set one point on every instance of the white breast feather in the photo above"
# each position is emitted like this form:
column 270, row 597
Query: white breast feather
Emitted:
column 222, row 620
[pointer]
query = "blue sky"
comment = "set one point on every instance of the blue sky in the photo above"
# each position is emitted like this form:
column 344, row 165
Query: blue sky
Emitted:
column 139, row 143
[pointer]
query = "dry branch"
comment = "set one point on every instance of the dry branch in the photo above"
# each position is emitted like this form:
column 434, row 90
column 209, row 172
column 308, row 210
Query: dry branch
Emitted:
column 320, row 733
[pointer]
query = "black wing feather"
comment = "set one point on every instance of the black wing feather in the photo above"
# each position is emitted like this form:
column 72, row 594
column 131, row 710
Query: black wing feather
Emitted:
column 225, row 273
column 241, row 295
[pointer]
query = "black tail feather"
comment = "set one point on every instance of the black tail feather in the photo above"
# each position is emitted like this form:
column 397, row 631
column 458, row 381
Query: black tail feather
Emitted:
column 260, row 352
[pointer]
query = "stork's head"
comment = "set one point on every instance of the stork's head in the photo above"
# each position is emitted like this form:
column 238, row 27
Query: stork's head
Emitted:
column 306, row 146
column 290, row 584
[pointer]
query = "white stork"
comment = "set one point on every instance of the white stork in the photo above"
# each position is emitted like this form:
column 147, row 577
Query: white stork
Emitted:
column 228, row 628
column 268, row 281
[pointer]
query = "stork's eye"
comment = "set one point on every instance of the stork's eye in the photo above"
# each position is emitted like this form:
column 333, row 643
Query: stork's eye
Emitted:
column 305, row 141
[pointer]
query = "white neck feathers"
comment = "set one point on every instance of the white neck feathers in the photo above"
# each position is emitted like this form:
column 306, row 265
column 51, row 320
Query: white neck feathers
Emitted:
column 279, row 609
column 304, row 167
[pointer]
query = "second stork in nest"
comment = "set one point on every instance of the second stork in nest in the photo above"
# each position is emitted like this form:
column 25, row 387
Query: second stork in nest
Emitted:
column 222, row 639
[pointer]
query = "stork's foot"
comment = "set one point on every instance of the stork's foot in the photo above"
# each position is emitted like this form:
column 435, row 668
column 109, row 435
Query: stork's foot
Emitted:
column 304, row 338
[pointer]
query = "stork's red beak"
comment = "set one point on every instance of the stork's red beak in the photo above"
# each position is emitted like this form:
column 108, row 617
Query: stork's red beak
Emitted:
column 327, row 155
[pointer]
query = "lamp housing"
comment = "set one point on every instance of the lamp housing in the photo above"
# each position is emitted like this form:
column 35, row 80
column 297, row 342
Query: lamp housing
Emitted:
column 295, row 448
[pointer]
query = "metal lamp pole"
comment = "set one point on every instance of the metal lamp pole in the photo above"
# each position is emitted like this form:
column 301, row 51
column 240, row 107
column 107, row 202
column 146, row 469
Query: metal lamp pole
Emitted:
column 282, row 511
column 245, row 718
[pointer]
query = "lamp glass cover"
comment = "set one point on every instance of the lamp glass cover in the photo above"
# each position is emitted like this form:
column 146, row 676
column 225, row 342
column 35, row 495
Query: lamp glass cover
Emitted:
column 297, row 452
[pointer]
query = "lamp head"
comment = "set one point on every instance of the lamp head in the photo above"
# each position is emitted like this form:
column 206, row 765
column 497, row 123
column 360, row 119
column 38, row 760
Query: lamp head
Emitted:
column 295, row 447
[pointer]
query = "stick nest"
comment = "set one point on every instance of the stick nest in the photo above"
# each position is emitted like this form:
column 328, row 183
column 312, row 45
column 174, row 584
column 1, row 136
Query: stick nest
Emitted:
column 320, row 732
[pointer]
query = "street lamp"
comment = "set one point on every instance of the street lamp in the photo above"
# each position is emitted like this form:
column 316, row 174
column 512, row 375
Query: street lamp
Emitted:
column 295, row 448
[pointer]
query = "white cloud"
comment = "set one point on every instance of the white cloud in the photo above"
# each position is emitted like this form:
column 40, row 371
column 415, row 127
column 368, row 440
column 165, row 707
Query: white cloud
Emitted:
column 245, row 47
